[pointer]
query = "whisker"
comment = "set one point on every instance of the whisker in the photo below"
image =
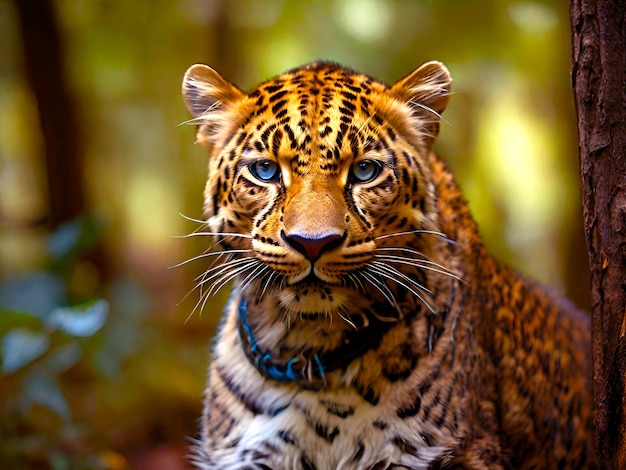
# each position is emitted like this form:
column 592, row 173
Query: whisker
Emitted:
column 396, row 272
column 267, row 283
column 413, row 291
column 224, row 264
column 360, row 130
column 224, row 267
column 215, row 244
column 199, row 285
column 206, row 255
column 390, row 273
column 220, row 272
column 191, row 219
column 213, row 234
column 423, row 258
column 192, row 311
column 381, row 287
column 214, row 271
column 346, row 319
column 411, row 232
column 356, row 281
column 430, row 110
column 401, row 248
column 201, row 300
column 256, row 273
column 417, row 264
column 225, row 279
column 229, row 276
column 213, row 266
column 206, row 299
column 185, row 297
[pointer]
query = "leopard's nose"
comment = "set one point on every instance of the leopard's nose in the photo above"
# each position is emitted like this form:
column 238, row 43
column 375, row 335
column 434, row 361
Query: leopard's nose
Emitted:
column 313, row 247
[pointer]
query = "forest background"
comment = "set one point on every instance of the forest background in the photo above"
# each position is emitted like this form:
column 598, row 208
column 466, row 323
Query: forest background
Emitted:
column 102, row 364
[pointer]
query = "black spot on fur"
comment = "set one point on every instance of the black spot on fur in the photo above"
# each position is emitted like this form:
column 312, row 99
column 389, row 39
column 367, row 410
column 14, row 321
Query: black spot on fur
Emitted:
column 327, row 130
column 337, row 409
column 326, row 433
column 278, row 106
column 410, row 410
column 273, row 88
column 360, row 449
column 306, row 463
column 405, row 447
column 278, row 95
column 380, row 425
column 286, row 437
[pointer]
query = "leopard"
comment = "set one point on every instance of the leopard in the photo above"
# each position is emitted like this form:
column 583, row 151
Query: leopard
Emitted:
column 368, row 326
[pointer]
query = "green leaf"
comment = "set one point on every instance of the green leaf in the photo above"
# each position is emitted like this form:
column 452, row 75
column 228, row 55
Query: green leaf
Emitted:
column 12, row 320
column 20, row 347
column 82, row 320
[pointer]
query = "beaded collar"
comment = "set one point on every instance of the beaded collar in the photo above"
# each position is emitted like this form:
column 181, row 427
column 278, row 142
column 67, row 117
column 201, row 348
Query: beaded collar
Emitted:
column 308, row 368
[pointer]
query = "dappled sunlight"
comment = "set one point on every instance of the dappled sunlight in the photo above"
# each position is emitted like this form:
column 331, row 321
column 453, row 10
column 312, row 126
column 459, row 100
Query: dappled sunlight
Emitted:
column 366, row 20
column 517, row 159
column 516, row 151
column 149, row 212
column 533, row 17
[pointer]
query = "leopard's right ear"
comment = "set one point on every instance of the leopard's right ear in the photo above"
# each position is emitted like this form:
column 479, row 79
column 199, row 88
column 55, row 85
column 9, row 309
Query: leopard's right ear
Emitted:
column 212, row 101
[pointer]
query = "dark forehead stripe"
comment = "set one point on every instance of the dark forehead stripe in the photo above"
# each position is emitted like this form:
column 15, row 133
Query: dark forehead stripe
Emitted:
column 326, row 98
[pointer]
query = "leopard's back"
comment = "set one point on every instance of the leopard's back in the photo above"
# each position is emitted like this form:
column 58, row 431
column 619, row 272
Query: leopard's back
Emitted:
column 368, row 325
column 539, row 343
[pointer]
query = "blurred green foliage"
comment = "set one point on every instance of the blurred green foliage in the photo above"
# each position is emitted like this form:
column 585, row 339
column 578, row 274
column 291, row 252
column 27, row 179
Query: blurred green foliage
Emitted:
column 101, row 368
column 43, row 334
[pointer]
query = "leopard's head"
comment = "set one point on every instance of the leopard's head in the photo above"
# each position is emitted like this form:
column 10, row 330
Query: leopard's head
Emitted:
column 319, row 187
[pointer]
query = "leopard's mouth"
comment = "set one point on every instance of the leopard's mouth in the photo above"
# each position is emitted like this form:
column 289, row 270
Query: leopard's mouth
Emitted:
column 312, row 297
column 311, row 280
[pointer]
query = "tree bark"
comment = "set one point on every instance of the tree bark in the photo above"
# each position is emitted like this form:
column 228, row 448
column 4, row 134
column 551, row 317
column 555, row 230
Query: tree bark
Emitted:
column 598, row 76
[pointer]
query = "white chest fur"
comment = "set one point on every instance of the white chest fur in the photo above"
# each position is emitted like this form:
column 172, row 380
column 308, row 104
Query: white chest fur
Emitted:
column 285, row 427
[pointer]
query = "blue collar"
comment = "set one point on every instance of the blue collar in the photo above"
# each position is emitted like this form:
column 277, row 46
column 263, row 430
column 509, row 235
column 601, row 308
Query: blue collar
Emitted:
column 308, row 369
column 294, row 370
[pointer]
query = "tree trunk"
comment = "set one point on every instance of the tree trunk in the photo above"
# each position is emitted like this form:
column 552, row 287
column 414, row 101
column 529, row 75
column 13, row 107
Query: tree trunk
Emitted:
column 58, row 116
column 43, row 59
column 598, row 77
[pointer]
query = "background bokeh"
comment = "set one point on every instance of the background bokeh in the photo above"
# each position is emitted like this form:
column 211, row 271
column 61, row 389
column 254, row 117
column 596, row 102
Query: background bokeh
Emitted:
column 102, row 365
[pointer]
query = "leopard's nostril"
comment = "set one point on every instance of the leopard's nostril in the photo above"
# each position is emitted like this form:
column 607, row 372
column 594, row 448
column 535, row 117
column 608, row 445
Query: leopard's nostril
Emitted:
column 313, row 247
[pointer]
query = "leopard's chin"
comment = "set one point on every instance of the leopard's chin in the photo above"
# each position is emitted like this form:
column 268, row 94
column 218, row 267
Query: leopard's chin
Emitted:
column 311, row 299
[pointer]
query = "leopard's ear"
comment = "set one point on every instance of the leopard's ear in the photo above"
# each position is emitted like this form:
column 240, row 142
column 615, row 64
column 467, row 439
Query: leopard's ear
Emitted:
column 212, row 101
column 426, row 92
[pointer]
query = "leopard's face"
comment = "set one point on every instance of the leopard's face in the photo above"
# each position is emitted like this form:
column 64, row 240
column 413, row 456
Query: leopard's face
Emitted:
column 315, row 178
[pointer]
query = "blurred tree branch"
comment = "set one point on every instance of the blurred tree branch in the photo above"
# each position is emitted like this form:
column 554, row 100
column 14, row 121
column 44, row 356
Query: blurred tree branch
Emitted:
column 598, row 74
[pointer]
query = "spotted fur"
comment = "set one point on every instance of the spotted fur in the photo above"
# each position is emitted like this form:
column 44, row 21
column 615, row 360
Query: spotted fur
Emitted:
column 368, row 327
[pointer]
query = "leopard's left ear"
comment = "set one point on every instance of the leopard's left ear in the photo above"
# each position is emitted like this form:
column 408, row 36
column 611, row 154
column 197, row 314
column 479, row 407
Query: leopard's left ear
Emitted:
column 212, row 101
column 426, row 91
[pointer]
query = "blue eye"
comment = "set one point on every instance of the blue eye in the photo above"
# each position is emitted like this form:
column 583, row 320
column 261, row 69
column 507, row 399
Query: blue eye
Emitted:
column 365, row 171
column 265, row 170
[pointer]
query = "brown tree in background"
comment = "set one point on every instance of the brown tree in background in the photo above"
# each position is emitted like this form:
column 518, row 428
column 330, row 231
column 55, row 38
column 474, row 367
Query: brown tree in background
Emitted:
column 45, row 71
column 599, row 80
column 44, row 64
